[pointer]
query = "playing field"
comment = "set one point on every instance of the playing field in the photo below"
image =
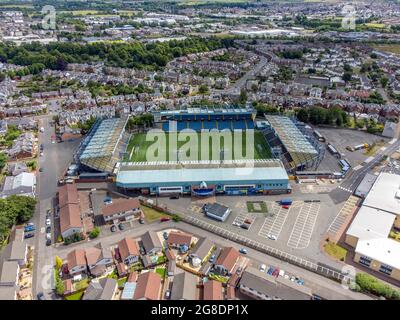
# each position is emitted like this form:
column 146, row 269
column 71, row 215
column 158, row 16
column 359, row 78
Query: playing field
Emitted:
column 138, row 146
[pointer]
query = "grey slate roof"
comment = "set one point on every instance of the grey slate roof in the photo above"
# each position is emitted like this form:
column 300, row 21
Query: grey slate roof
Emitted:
column 184, row 287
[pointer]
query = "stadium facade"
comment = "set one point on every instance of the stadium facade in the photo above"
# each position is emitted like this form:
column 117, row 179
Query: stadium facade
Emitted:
column 204, row 178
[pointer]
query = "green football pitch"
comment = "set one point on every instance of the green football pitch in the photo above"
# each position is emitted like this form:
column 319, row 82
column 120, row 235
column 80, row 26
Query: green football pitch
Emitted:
column 138, row 146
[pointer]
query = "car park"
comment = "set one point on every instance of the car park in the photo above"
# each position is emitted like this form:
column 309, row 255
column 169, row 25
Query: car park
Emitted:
column 113, row 228
column 243, row 250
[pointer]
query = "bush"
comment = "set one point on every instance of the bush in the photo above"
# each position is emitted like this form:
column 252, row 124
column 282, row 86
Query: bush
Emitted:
column 176, row 218
column 94, row 233
column 371, row 284
column 74, row 238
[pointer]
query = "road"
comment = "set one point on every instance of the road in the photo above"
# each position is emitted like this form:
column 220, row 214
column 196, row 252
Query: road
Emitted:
column 55, row 159
column 355, row 177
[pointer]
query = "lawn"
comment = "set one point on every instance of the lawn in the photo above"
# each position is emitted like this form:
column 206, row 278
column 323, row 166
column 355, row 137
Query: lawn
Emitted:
column 251, row 208
column 392, row 48
column 75, row 296
column 151, row 214
column 162, row 272
column 121, row 282
column 81, row 285
column 335, row 251
column 217, row 277
column 138, row 146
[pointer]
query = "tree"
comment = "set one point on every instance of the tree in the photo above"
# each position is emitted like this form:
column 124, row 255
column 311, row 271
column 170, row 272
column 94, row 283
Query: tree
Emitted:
column 59, row 263
column 3, row 160
column 203, row 89
column 302, row 115
column 60, row 288
column 94, row 233
column 243, row 96
column 384, row 82
column 347, row 76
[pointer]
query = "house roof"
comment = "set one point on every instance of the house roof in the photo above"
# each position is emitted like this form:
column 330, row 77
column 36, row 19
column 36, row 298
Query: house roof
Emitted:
column 170, row 255
column 148, row 286
column 70, row 217
column 184, row 287
column 122, row 205
column 384, row 250
column 76, row 258
column 228, row 258
column 97, row 253
column 179, row 238
column 8, row 271
column 150, row 241
column 68, row 193
column 8, row 292
column 127, row 247
column 15, row 251
column 212, row 290
column 132, row 277
column 102, row 289
column 202, row 248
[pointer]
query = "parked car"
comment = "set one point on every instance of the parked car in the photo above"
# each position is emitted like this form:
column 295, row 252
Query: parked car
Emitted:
column 48, row 229
column 285, row 207
column 244, row 226
column 243, row 250
column 48, row 236
column 141, row 221
column 40, row 169
column 165, row 235
column 29, row 228
column 248, row 221
column 121, row 226
column 167, row 294
column 48, row 222
column 282, row 273
column 142, row 251
column 28, row 235
column 164, row 219
column 270, row 270
column 300, row 282
column 174, row 197
column 276, row 272
column 117, row 254
column 48, row 242
column 263, row 267
column 239, row 271
column 212, row 259
column 30, row 224
column 113, row 228
column 40, row 296
column 271, row 236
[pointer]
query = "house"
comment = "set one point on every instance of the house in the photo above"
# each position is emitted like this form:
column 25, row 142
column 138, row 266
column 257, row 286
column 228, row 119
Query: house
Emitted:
column 151, row 243
column 148, row 286
column 23, row 147
column 16, row 251
column 217, row 211
column 132, row 277
column 70, row 220
column 170, row 255
column 98, row 259
column 103, row 289
column 67, row 194
column 226, row 261
column 176, row 239
column 128, row 251
column 121, row 210
column 261, row 286
column 184, row 287
column 24, row 184
column 122, row 269
column 212, row 290
column 171, row 268
column 9, row 271
column 8, row 293
column 201, row 250
column 16, row 168
column 129, row 291
column 76, row 262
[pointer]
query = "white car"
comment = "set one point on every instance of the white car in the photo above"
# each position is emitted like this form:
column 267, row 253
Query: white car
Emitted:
column 263, row 267
column 286, row 276
column 271, row 237
column 282, row 273
column 48, row 222
column 48, row 236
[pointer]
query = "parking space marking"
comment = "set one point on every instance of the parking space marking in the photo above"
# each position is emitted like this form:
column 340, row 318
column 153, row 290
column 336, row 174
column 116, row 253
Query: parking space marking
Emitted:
column 273, row 224
column 314, row 189
column 304, row 226
column 344, row 212
column 241, row 217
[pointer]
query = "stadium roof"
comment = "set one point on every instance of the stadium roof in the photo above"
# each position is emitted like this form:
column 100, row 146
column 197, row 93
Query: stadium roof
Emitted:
column 205, row 110
column 98, row 148
column 138, row 175
column 299, row 148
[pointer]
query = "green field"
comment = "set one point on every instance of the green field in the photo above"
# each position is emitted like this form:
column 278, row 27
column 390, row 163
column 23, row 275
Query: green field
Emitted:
column 138, row 146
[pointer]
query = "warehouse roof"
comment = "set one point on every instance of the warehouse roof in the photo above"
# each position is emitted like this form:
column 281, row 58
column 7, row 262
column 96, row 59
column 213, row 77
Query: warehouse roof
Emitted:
column 384, row 250
column 386, row 186
column 371, row 223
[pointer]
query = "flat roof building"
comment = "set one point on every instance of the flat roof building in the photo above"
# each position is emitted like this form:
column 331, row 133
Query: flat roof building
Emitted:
column 217, row 211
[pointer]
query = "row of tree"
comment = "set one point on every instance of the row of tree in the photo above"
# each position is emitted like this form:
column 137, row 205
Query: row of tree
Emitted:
column 57, row 55
column 318, row 115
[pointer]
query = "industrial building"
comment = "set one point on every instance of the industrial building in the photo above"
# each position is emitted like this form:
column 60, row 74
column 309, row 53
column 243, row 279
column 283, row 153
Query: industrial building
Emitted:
column 369, row 232
column 290, row 144
column 103, row 146
column 204, row 178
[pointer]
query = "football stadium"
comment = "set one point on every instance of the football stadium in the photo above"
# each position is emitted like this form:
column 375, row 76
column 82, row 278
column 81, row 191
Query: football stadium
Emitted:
column 235, row 157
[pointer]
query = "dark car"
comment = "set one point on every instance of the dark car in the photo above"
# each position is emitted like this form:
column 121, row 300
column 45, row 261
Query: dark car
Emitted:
column 141, row 221
column 174, row 197
column 165, row 236
column 40, row 296
column 29, row 235
column 164, row 219
column 48, row 229
column 113, row 228
column 48, row 242
column 121, row 226
column 142, row 251
column 244, row 226
column 41, row 170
